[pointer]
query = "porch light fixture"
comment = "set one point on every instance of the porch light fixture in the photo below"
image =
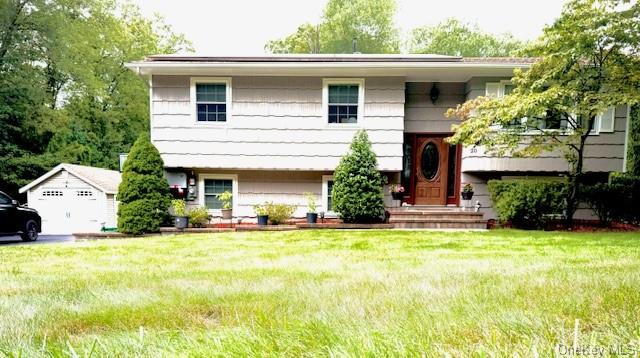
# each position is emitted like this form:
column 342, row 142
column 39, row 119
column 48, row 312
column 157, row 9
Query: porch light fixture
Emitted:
column 434, row 93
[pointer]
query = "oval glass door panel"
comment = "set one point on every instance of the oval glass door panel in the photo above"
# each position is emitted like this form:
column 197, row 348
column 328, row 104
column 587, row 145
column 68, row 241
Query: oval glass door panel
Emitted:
column 430, row 161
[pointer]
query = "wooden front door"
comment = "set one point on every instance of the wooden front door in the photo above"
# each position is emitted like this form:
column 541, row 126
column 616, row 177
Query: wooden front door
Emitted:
column 431, row 171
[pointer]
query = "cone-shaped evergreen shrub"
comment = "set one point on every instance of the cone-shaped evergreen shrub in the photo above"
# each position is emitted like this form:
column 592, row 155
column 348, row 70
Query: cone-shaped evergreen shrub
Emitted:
column 357, row 186
column 144, row 192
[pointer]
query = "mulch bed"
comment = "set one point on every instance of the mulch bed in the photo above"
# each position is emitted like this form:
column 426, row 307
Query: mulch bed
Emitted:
column 578, row 226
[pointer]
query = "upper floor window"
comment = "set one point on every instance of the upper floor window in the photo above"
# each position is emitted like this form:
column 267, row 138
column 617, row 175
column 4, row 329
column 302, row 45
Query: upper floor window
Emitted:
column 553, row 119
column 343, row 100
column 212, row 97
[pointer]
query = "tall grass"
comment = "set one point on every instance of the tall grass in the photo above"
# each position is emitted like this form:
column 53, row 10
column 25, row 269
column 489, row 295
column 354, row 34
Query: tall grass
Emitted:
column 327, row 293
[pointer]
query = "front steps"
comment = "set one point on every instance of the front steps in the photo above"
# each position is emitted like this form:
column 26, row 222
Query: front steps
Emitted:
column 436, row 217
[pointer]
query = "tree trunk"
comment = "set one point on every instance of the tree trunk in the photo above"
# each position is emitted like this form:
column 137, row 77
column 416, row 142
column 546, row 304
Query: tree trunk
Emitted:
column 575, row 177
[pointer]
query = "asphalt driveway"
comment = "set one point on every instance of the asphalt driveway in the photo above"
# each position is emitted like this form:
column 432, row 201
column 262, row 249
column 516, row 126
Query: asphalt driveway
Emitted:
column 42, row 239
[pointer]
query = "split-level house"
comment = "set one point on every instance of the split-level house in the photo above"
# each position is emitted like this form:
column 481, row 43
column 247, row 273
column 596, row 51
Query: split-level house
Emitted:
column 270, row 128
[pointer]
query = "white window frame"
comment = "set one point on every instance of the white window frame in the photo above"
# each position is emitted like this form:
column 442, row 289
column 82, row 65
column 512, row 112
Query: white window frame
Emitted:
column 193, row 105
column 325, row 196
column 234, row 190
column 613, row 121
column 325, row 100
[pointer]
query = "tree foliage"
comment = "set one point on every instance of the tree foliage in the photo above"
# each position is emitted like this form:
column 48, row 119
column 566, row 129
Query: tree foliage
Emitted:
column 633, row 149
column 589, row 60
column 455, row 38
column 65, row 94
column 370, row 22
column 144, row 192
column 357, row 188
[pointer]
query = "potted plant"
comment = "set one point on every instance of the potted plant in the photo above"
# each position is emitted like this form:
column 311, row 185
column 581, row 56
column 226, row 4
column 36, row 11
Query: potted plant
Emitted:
column 397, row 191
column 199, row 217
column 312, row 214
column 181, row 220
column 467, row 192
column 227, row 204
column 261, row 213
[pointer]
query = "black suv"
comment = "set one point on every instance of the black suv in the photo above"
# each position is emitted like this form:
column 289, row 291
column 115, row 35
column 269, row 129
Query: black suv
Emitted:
column 17, row 219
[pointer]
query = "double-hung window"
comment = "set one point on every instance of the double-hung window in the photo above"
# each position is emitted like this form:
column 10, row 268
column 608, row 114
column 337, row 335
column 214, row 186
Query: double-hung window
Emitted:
column 343, row 100
column 212, row 98
column 327, row 194
column 211, row 185
column 214, row 187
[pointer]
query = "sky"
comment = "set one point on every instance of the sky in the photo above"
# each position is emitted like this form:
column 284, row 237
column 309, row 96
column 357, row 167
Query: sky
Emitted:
column 242, row 27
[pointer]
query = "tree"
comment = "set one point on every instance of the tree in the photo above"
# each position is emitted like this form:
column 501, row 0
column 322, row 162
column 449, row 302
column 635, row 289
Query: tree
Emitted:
column 589, row 62
column 357, row 188
column 369, row 22
column 633, row 149
column 65, row 95
column 455, row 38
column 144, row 192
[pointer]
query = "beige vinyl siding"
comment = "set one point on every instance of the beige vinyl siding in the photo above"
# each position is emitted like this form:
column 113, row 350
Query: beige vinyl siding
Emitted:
column 604, row 152
column 63, row 179
column 111, row 220
column 281, row 187
column 274, row 123
column 422, row 115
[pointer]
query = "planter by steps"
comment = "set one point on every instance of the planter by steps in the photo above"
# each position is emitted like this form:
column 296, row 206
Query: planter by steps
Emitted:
column 312, row 218
column 181, row 222
column 227, row 214
column 467, row 195
column 263, row 220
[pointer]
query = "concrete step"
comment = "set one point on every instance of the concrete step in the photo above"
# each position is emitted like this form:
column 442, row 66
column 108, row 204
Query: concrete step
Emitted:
column 436, row 217
column 441, row 225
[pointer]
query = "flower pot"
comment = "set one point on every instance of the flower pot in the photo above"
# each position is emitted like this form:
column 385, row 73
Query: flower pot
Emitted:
column 181, row 222
column 263, row 220
column 312, row 218
column 397, row 195
column 227, row 214
column 467, row 195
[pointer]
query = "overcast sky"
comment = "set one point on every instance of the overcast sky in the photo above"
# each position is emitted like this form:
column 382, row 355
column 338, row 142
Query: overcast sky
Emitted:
column 242, row 27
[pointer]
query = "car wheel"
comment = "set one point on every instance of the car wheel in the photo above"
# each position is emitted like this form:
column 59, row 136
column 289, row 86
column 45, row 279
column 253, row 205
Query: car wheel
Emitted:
column 30, row 232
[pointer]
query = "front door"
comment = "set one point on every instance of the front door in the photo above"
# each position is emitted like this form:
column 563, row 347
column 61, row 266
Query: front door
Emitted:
column 431, row 171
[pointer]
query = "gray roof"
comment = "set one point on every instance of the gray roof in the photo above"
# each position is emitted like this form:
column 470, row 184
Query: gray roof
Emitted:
column 104, row 179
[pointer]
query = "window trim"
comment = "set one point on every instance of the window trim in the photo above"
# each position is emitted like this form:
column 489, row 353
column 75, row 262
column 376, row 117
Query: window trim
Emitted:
column 234, row 191
column 325, row 196
column 325, row 100
column 193, row 104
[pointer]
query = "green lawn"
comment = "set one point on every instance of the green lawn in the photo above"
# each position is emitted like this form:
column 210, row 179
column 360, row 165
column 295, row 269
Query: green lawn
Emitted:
column 330, row 293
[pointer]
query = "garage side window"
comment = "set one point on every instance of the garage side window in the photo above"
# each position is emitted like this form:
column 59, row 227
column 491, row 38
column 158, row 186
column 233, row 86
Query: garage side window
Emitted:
column 213, row 187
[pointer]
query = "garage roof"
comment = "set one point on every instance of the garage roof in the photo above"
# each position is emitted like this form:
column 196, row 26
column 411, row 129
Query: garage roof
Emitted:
column 103, row 179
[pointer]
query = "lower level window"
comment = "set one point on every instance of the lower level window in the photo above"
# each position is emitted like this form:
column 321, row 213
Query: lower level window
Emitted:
column 213, row 187
column 330, row 195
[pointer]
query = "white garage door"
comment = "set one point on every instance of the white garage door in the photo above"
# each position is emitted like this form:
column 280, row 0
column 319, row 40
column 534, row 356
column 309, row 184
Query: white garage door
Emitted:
column 67, row 211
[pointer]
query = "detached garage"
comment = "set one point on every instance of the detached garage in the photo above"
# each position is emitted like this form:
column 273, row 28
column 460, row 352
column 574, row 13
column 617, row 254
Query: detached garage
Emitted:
column 74, row 198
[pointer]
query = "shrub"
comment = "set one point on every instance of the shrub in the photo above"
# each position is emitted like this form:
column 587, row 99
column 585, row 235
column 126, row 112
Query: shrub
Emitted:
column 144, row 192
column 629, row 198
column 278, row 213
column 199, row 217
column 528, row 204
column 605, row 199
column 357, row 188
